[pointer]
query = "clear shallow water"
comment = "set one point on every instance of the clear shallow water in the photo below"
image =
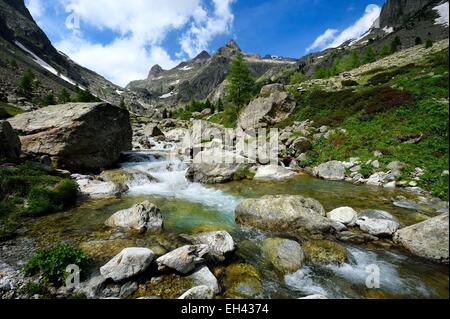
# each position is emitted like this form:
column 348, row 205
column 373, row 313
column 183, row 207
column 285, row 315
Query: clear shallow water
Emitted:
column 189, row 206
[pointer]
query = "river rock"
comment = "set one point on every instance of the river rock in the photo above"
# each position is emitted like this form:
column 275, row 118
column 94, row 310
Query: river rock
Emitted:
column 428, row 239
column 283, row 213
column 264, row 111
column 333, row 170
column 273, row 173
column 198, row 293
column 220, row 243
column 152, row 130
column 94, row 189
column 403, row 202
column 183, row 259
column 313, row 297
column 343, row 215
column 141, row 217
column 128, row 263
column 324, row 252
column 128, row 289
column 214, row 166
column 285, row 255
column 301, row 145
column 242, row 281
column 378, row 179
column 78, row 136
column 204, row 277
column 10, row 143
column 378, row 227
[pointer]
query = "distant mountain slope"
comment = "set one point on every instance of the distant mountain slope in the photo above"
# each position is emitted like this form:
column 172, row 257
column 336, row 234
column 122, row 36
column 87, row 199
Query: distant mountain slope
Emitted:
column 409, row 20
column 200, row 77
column 22, row 41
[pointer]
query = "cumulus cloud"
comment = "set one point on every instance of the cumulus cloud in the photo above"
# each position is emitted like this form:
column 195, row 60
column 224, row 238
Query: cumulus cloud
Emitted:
column 35, row 7
column 332, row 38
column 141, row 26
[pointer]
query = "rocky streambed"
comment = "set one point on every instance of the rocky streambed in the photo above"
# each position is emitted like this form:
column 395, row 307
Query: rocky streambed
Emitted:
column 234, row 240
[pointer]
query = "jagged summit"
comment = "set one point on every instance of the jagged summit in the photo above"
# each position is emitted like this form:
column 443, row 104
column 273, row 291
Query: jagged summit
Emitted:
column 202, row 56
column 155, row 71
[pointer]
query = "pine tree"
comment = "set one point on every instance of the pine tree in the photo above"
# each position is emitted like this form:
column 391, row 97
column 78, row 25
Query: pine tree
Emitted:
column 385, row 51
column 396, row 43
column 418, row 41
column 240, row 82
column 356, row 62
column 26, row 84
column 429, row 44
column 49, row 99
column 370, row 55
column 64, row 96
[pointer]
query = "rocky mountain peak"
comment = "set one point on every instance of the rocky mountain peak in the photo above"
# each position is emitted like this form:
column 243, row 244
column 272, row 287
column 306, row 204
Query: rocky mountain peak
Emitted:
column 19, row 5
column 204, row 55
column 155, row 71
column 229, row 50
column 396, row 12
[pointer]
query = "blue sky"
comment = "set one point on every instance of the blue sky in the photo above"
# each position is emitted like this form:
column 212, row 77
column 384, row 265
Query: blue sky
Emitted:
column 121, row 40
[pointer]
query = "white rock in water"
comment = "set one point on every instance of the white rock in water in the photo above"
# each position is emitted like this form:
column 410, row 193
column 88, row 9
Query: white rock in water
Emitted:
column 220, row 243
column 141, row 217
column 204, row 277
column 183, row 259
column 198, row 293
column 428, row 239
column 273, row 172
column 378, row 227
column 313, row 297
column 128, row 263
column 333, row 170
column 344, row 215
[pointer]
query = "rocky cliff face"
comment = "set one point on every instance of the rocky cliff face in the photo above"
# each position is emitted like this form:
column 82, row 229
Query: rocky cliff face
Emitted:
column 396, row 12
column 198, row 78
column 22, row 41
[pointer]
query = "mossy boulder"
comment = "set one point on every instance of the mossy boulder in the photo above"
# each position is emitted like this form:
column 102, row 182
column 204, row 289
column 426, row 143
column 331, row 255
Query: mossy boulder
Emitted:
column 166, row 287
column 285, row 255
column 242, row 281
column 324, row 252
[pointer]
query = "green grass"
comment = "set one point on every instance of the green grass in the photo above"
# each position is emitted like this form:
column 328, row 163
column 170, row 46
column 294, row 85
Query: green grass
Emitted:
column 7, row 111
column 408, row 103
column 31, row 190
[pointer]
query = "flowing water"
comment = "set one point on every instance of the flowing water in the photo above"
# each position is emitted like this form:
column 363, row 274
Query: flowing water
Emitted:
column 188, row 207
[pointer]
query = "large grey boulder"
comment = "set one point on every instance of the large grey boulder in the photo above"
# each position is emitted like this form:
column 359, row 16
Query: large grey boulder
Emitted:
column 273, row 173
column 9, row 143
column 428, row 239
column 220, row 243
column 128, row 263
column 183, row 259
column 333, row 170
column 141, row 217
column 284, row 213
column 343, row 215
column 217, row 166
column 265, row 111
column 78, row 136
column 377, row 223
column 285, row 255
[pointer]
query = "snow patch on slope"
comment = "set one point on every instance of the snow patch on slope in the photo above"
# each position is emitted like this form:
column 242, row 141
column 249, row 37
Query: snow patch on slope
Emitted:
column 442, row 10
column 44, row 64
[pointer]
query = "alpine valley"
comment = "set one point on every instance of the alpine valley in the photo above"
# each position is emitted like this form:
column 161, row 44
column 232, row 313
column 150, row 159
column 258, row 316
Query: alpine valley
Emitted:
column 99, row 176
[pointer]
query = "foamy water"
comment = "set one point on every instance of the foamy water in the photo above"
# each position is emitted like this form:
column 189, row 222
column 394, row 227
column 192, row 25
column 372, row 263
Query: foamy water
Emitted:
column 171, row 181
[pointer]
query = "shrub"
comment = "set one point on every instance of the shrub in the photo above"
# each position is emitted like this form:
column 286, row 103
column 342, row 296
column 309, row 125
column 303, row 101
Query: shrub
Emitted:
column 366, row 170
column 349, row 83
column 32, row 288
column 395, row 44
column 52, row 263
column 385, row 51
column 49, row 99
column 42, row 200
column 26, row 83
column 370, row 55
column 429, row 44
column 64, row 97
column 387, row 98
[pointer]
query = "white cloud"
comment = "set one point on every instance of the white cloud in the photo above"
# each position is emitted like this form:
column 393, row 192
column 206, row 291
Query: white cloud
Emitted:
column 323, row 39
column 35, row 7
column 141, row 27
column 205, row 28
column 333, row 38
